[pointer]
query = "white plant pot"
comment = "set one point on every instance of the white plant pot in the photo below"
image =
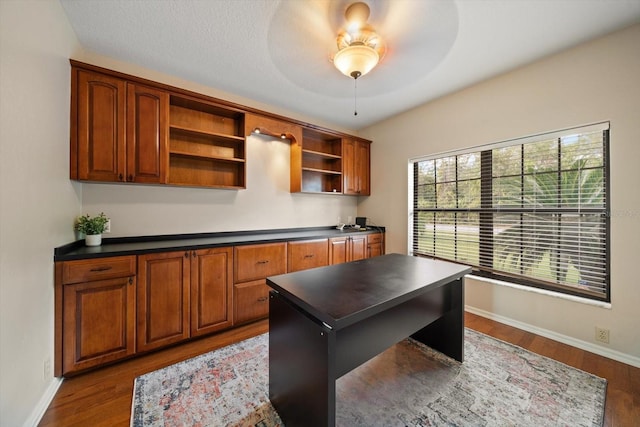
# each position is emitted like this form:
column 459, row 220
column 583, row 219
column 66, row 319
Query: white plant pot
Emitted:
column 93, row 239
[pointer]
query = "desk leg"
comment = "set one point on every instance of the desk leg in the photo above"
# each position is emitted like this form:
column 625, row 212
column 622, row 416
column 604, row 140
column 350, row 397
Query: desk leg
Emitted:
column 302, row 382
column 446, row 334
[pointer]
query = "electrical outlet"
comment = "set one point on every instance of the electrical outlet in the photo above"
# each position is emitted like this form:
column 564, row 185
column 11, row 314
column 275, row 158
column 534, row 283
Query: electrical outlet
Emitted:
column 602, row 335
column 107, row 227
column 46, row 371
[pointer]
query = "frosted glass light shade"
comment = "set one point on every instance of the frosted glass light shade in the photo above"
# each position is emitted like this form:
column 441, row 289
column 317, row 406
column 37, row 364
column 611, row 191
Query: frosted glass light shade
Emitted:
column 356, row 59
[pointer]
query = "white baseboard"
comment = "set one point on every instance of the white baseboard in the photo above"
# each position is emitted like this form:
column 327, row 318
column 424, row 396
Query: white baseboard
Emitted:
column 43, row 404
column 565, row 339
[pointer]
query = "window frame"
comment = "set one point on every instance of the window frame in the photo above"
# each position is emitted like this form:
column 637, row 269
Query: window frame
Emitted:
column 485, row 226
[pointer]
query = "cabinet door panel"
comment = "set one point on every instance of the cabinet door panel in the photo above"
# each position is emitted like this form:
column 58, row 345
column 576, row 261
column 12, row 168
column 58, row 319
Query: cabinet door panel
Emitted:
column 100, row 127
column 356, row 167
column 163, row 299
column 147, row 134
column 375, row 245
column 363, row 168
column 99, row 323
column 211, row 290
column 338, row 250
column 307, row 254
column 349, row 172
column 358, row 248
column 251, row 301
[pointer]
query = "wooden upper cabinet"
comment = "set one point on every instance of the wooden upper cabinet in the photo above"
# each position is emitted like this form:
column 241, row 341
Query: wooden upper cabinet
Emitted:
column 121, row 130
column 356, row 169
column 98, row 144
column 147, row 134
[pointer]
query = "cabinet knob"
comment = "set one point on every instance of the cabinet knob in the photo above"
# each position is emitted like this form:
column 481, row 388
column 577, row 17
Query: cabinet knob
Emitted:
column 262, row 299
column 186, row 254
column 130, row 179
column 131, row 280
column 120, row 177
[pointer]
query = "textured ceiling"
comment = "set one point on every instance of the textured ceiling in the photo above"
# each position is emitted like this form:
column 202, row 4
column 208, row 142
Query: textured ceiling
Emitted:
column 278, row 52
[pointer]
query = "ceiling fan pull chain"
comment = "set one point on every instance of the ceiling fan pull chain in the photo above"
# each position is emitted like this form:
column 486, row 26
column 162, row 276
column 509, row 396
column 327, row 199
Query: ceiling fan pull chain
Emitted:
column 355, row 97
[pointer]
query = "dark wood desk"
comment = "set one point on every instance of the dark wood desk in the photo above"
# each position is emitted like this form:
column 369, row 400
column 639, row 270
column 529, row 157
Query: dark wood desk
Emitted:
column 327, row 321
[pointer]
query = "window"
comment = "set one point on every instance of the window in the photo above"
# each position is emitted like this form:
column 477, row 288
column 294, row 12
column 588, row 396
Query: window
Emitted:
column 532, row 211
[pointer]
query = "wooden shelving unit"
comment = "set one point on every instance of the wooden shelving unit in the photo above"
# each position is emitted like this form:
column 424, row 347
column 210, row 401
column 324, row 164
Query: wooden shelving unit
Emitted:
column 206, row 145
column 320, row 164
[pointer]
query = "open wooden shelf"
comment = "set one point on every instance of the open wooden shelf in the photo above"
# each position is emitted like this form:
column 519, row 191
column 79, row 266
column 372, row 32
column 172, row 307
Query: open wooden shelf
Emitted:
column 206, row 144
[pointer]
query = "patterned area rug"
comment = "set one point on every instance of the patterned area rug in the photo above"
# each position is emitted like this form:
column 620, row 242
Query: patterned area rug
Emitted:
column 499, row 384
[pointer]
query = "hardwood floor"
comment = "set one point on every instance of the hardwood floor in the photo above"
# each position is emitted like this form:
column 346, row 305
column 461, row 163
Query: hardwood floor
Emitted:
column 103, row 397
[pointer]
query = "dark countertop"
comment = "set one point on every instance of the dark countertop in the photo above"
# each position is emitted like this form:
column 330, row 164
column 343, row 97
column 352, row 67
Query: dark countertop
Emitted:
column 179, row 242
column 343, row 294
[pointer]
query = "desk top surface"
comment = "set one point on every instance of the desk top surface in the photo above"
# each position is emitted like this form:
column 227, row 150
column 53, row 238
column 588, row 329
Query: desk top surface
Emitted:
column 342, row 294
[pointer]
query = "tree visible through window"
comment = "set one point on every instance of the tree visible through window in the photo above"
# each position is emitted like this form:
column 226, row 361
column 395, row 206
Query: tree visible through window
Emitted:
column 531, row 211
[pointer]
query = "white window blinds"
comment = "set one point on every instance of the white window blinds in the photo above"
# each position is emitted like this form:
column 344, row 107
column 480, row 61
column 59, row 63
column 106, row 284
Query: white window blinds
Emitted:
column 533, row 211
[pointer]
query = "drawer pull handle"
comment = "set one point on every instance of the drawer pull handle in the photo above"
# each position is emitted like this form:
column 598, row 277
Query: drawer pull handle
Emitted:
column 263, row 262
column 309, row 256
column 103, row 268
column 262, row 299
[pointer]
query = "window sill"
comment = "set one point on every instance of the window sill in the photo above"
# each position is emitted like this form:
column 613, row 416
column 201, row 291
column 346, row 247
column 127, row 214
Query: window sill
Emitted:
column 573, row 298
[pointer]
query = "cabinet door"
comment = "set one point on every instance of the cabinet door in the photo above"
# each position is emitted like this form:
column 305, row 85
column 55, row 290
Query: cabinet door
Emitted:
column 99, row 323
column 349, row 172
column 356, row 167
column 100, row 130
column 358, row 247
column 251, row 301
column 211, row 289
column 307, row 254
column 375, row 245
column 363, row 167
column 147, row 134
column 163, row 299
column 338, row 250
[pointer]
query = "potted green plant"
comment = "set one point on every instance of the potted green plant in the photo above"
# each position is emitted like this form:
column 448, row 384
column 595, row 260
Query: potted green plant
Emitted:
column 92, row 228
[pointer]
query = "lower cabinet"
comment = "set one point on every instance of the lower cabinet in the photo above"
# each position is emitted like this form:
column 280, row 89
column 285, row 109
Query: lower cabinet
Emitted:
column 347, row 248
column 375, row 245
column 95, row 313
column 183, row 294
column 305, row 254
column 163, row 299
column 251, row 301
column 211, row 290
column 111, row 308
column 253, row 264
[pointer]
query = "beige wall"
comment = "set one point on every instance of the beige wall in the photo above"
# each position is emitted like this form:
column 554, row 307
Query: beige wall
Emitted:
column 594, row 82
column 37, row 200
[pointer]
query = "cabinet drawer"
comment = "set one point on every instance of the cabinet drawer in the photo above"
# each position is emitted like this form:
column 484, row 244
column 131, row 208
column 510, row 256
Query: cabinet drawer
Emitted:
column 254, row 262
column 374, row 238
column 251, row 301
column 98, row 269
column 307, row 254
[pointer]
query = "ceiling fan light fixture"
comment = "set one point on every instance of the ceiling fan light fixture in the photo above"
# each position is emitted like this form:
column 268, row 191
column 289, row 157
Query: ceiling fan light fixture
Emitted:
column 356, row 60
column 360, row 48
